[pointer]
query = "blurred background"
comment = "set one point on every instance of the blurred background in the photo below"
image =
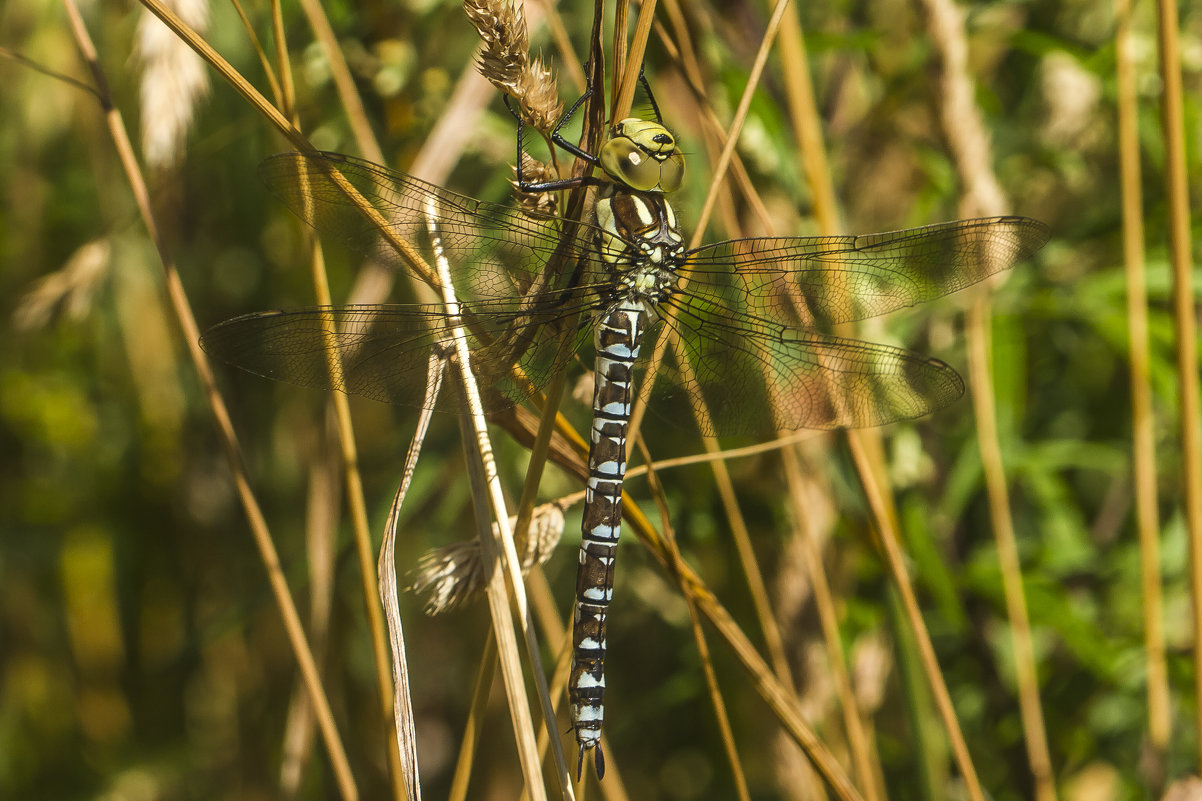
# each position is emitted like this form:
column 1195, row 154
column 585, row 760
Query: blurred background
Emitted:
column 141, row 653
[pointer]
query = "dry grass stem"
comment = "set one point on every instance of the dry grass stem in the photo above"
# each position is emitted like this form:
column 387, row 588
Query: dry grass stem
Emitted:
column 264, row 61
column 286, row 90
column 682, row 50
column 749, row 564
column 964, row 128
column 810, row 552
column 1143, row 419
column 718, row 702
column 1184, row 313
column 187, row 321
column 390, row 682
column 402, row 701
column 780, row 698
column 803, row 112
column 506, row 591
column 344, row 82
column 807, row 123
column 226, row 70
column 631, row 61
column 736, row 125
column 321, row 530
column 472, row 730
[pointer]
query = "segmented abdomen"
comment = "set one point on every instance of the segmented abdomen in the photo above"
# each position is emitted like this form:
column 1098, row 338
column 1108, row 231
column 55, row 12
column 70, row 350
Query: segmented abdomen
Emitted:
column 617, row 342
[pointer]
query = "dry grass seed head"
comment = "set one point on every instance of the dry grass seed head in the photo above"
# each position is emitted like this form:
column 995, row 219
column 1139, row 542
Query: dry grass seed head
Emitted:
column 454, row 574
column 506, row 45
column 69, row 290
column 540, row 96
column 174, row 79
column 505, row 61
column 535, row 171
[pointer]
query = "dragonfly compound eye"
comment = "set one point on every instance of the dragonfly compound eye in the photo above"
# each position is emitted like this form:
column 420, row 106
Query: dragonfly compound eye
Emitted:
column 643, row 155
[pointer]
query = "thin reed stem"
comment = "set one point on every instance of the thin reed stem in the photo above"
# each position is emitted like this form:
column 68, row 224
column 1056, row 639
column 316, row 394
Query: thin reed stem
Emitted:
column 971, row 150
column 682, row 50
column 803, row 111
column 886, row 520
column 736, row 125
column 505, row 581
column 1142, row 418
column 475, row 722
column 272, row 81
column 368, row 577
column 750, row 566
column 717, row 702
column 258, row 523
column 979, row 350
column 1184, row 317
column 285, row 91
column 824, row 603
column 340, row 72
column 632, row 62
column 780, row 698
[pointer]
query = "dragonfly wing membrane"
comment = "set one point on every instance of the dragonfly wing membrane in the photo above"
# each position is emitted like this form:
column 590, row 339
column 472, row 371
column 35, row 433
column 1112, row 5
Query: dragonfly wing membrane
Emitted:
column 496, row 250
column 767, row 379
column 381, row 352
column 819, row 282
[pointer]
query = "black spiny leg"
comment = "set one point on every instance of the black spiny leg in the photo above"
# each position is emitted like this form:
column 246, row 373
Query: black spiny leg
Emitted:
column 558, row 139
column 650, row 96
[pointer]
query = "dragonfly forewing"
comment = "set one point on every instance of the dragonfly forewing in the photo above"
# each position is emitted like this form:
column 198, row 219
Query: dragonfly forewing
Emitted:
column 819, row 282
column 499, row 251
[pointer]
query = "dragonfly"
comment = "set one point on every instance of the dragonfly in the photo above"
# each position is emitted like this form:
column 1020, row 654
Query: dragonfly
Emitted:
column 748, row 320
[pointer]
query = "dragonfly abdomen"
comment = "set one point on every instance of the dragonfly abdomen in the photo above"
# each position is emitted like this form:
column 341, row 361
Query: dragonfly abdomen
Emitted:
column 618, row 337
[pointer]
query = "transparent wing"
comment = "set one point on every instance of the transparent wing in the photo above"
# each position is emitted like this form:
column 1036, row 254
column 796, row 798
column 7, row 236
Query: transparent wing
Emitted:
column 817, row 282
column 496, row 250
column 747, row 322
column 381, row 352
column 759, row 377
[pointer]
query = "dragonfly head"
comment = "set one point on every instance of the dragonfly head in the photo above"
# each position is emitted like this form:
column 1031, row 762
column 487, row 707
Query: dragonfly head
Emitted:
column 643, row 155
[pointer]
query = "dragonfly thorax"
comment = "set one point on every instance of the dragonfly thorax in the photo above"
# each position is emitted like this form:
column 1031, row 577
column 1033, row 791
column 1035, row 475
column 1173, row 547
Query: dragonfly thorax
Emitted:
column 637, row 228
column 648, row 285
column 643, row 156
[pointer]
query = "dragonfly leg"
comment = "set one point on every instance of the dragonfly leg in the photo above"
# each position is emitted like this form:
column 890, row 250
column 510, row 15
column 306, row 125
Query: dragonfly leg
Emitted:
column 558, row 138
column 650, row 95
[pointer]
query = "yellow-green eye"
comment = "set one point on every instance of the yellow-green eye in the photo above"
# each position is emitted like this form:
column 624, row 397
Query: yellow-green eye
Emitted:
column 643, row 155
column 671, row 173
